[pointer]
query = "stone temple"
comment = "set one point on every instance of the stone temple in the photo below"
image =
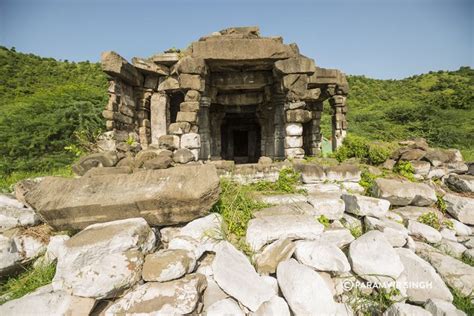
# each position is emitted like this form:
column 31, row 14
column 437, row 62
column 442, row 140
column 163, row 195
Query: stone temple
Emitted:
column 232, row 95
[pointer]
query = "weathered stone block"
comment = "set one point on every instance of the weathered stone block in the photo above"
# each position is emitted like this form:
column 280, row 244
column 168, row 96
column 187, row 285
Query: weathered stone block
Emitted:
column 168, row 83
column 294, row 129
column 294, row 153
column 175, row 195
column 183, row 155
column 192, row 82
column 167, row 59
column 116, row 66
column 190, row 65
column 189, row 106
column 104, row 159
column 296, row 84
column 190, row 117
column 191, row 141
column 249, row 98
column 293, row 141
column 151, row 82
column 248, row 80
column 243, row 49
column 298, row 116
column 295, row 65
column 150, row 67
column 179, row 128
column 192, row 95
column 170, row 142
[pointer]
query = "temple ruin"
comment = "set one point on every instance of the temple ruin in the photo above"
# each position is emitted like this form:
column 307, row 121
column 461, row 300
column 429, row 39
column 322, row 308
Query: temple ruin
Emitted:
column 232, row 95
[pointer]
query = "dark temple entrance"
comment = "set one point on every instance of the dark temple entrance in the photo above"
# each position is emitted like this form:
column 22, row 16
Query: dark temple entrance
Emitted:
column 240, row 135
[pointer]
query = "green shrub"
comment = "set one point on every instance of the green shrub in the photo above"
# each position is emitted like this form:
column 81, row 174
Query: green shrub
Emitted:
column 367, row 180
column 405, row 169
column 378, row 152
column 370, row 152
column 26, row 282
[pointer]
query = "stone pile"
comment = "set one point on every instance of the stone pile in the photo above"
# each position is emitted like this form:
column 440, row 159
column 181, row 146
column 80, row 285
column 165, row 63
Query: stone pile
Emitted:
column 434, row 163
column 148, row 244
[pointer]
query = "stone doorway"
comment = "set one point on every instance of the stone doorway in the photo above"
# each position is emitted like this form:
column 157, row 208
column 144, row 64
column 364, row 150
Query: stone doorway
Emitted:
column 241, row 138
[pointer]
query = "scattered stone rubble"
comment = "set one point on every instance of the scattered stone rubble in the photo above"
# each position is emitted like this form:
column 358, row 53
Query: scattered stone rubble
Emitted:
column 148, row 243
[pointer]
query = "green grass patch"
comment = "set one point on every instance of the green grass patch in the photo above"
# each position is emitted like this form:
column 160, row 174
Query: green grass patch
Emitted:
column 463, row 303
column 467, row 260
column 374, row 303
column 8, row 181
column 236, row 205
column 26, row 282
column 288, row 178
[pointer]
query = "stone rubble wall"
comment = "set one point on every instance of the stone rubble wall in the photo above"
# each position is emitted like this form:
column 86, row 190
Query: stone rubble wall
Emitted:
column 141, row 96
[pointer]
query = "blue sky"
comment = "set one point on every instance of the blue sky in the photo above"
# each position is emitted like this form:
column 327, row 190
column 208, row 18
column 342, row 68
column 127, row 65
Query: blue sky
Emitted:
column 376, row 38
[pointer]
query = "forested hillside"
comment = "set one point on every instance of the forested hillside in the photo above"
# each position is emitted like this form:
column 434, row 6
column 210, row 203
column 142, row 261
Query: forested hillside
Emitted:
column 45, row 104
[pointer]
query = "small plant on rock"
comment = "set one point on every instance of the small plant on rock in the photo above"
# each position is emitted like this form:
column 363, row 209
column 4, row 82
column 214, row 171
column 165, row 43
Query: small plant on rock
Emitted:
column 405, row 169
column 324, row 220
column 430, row 219
column 367, row 181
column 441, row 204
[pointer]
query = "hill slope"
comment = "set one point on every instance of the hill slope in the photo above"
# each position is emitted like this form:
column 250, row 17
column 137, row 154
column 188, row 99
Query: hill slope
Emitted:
column 45, row 104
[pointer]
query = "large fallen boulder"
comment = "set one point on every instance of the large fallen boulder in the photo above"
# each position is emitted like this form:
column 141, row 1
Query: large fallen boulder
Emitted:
column 401, row 192
column 373, row 258
column 455, row 273
column 237, row 277
column 305, row 290
column 178, row 297
column 104, row 259
column 161, row 197
column 417, row 270
column 46, row 302
column 262, row 231
column 460, row 207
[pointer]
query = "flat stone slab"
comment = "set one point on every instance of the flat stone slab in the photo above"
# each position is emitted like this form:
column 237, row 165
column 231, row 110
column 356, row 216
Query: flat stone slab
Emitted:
column 161, row 197
column 418, row 270
column 401, row 192
column 262, row 231
column 237, row 277
column 178, row 297
column 305, row 290
column 104, row 258
column 455, row 273
column 46, row 302
column 374, row 259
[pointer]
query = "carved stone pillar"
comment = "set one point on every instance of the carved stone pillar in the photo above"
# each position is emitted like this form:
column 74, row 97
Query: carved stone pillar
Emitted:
column 312, row 135
column 158, row 122
column 339, row 123
column 204, row 128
